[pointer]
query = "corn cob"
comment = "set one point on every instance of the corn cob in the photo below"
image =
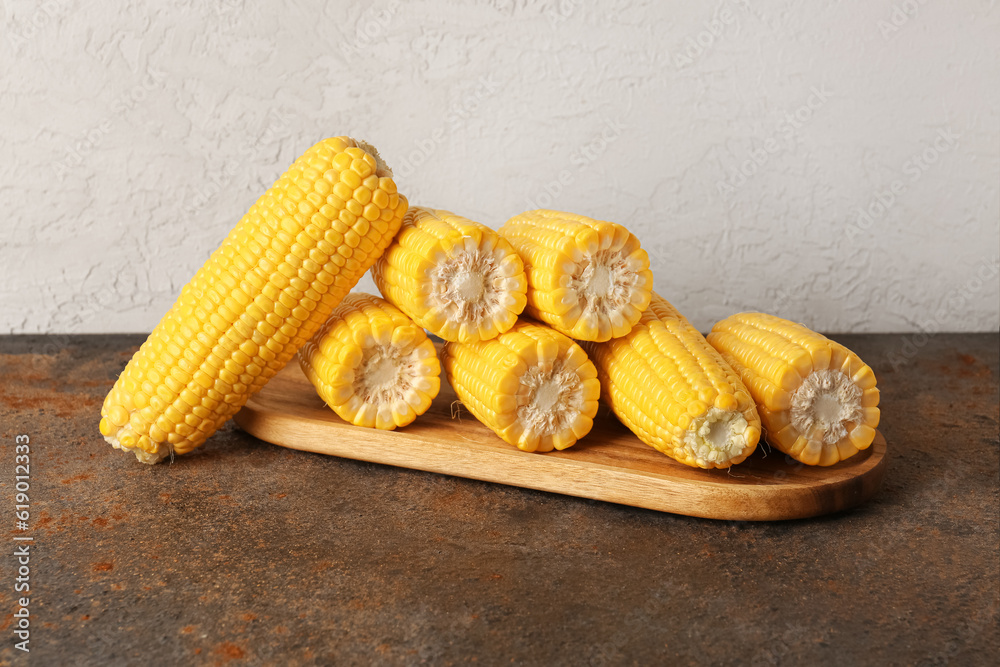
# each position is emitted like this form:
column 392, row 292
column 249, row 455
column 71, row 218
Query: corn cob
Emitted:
column 673, row 390
column 532, row 386
column 587, row 278
column 452, row 276
column 371, row 364
column 264, row 292
column 817, row 400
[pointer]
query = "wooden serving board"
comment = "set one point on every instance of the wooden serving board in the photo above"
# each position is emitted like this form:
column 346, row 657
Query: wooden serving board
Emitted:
column 610, row 464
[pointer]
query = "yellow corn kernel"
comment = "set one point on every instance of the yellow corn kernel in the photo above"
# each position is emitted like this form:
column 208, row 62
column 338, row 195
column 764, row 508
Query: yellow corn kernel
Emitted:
column 456, row 278
column 588, row 279
column 253, row 288
column 532, row 386
column 673, row 390
column 817, row 399
column 371, row 364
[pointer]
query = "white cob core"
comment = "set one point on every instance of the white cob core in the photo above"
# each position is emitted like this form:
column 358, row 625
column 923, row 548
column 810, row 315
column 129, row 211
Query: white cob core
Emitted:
column 381, row 372
column 605, row 282
column 388, row 375
column 473, row 285
column 549, row 400
column 717, row 436
column 823, row 404
column 470, row 286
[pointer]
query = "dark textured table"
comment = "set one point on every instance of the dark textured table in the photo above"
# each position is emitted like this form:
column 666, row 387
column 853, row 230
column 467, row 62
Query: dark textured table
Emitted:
column 246, row 553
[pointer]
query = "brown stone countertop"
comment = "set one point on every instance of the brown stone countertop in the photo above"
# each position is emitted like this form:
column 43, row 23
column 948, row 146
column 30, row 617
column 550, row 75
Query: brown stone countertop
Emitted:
column 247, row 553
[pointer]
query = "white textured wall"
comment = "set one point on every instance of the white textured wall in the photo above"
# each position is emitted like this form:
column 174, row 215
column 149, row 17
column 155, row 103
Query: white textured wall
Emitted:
column 133, row 136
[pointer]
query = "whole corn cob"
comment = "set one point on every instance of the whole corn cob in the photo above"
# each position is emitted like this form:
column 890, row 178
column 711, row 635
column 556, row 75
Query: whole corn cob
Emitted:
column 532, row 386
column 454, row 277
column 264, row 292
column 673, row 390
column 817, row 399
column 371, row 364
column 587, row 278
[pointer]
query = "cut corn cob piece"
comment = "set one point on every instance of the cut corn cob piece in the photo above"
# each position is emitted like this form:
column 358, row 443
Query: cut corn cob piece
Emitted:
column 673, row 390
column 371, row 364
column 456, row 278
column 588, row 279
column 532, row 386
column 818, row 401
column 262, row 294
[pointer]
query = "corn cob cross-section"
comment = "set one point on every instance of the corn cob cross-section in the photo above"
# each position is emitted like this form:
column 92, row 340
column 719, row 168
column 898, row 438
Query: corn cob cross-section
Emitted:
column 673, row 390
column 262, row 294
column 371, row 364
column 456, row 278
column 532, row 386
column 588, row 279
column 818, row 401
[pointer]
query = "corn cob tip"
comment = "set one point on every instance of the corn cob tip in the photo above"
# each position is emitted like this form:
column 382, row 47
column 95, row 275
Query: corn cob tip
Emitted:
column 142, row 456
column 382, row 170
column 718, row 437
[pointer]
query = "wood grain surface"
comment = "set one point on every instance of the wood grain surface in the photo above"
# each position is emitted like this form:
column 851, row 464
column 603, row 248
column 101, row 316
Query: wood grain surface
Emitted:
column 610, row 464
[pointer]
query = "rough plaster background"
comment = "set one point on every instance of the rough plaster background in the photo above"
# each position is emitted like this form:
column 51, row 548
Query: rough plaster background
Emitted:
column 742, row 141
